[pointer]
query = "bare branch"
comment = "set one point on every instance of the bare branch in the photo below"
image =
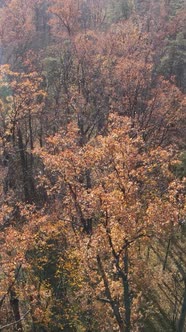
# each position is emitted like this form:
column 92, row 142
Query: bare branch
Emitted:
column 14, row 323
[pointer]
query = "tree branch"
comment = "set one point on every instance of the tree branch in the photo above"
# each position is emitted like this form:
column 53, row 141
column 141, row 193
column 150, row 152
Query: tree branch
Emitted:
column 14, row 323
column 11, row 286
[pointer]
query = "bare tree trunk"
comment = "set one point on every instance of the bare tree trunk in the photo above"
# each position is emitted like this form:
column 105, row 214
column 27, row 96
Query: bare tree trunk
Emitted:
column 113, row 303
column 23, row 166
column 166, row 255
column 127, row 300
column 14, row 302
column 30, row 131
column 181, row 322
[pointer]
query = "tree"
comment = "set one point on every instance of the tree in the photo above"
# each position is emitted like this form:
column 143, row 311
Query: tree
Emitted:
column 22, row 105
column 128, row 204
column 92, row 178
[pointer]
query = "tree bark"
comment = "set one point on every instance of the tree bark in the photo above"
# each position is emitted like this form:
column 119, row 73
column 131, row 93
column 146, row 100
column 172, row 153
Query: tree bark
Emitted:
column 23, row 166
column 30, row 131
column 166, row 255
column 127, row 300
column 113, row 303
column 14, row 302
column 181, row 322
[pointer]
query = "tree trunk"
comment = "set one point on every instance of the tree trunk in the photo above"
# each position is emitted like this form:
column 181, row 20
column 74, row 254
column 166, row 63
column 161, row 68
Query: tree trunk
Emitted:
column 181, row 322
column 23, row 166
column 113, row 303
column 30, row 131
column 166, row 255
column 14, row 302
column 127, row 300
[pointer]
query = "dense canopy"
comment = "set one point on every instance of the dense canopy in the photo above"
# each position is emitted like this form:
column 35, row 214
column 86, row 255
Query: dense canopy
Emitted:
column 92, row 166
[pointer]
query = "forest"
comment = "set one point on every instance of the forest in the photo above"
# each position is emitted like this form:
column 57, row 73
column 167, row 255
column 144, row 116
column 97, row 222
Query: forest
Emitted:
column 92, row 166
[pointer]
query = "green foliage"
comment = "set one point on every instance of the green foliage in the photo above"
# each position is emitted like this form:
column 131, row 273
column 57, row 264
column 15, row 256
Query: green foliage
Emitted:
column 176, row 6
column 173, row 62
column 120, row 9
column 57, row 270
column 179, row 169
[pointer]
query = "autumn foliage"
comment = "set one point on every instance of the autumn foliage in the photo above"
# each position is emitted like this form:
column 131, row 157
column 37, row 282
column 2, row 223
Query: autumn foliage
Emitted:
column 92, row 148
